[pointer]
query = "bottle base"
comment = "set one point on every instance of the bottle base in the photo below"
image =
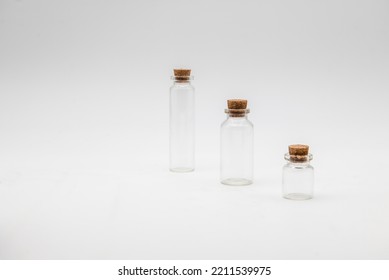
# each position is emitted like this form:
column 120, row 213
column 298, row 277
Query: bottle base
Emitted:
column 297, row 196
column 182, row 169
column 236, row 182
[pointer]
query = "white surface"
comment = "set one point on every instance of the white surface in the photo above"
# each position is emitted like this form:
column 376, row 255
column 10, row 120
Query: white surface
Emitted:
column 84, row 129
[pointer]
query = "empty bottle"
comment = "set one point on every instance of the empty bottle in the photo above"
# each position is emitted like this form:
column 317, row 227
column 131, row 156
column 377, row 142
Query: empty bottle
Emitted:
column 298, row 174
column 182, row 122
column 236, row 154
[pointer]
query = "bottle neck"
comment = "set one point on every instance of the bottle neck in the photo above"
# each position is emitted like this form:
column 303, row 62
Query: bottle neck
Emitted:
column 181, row 80
column 181, row 83
column 298, row 160
column 298, row 163
column 237, row 117
column 237, row 113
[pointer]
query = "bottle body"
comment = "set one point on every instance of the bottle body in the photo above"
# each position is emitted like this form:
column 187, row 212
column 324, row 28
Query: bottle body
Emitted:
column 297, row 180
column 182, row 127
column 236, row 154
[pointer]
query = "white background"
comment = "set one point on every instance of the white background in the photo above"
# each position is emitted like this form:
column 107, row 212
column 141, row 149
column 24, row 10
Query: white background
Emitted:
column 84, row 128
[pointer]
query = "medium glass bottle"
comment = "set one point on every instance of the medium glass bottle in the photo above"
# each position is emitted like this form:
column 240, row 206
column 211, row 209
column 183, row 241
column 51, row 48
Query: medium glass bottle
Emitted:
column 298, row 174
column 236, row 154
column 182, row 122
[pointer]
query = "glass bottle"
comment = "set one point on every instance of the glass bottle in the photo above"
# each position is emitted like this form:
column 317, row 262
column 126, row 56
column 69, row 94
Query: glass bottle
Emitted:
column 298, row 174
column 182, row 122
column 236, row 154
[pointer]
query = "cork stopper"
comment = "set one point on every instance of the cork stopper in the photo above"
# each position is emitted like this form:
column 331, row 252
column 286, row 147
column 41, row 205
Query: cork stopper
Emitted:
column 237, row 107
column 182, row 74
column 299, row 153
column 298, row 150
column 237, row 104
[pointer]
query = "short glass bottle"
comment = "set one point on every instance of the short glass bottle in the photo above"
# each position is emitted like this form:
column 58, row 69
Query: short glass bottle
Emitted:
column 236, row 153
column 298, row 174
column 182, row 122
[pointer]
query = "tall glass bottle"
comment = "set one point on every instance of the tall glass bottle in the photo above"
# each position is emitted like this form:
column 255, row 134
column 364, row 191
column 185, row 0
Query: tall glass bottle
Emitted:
column 236, row 154
column 182, row 122
column 297, row 177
